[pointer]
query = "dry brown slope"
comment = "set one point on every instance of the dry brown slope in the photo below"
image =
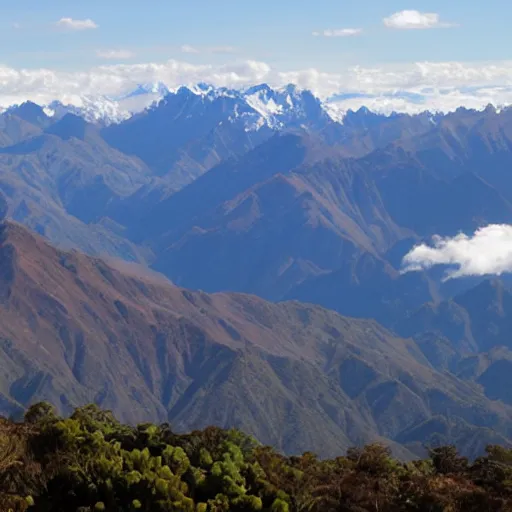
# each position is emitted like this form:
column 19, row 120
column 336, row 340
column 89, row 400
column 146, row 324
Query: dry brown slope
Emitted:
column 74, row 329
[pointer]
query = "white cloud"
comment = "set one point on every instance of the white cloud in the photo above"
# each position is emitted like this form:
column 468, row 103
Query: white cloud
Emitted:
column 487, row 252
column 115, row 54
column 220, row 49
column 408, row 20
column 72, row 24
column 339, row 32
column 186, row 48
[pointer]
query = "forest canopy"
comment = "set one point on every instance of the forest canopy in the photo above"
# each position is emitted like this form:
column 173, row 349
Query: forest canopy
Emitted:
column 90, row 462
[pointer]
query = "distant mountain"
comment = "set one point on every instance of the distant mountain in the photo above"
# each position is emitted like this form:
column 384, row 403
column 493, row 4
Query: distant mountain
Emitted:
column 31, row 113
column 157, row 88
column 260, row 190
column 467, row 141
column 275, row 107
column 105, row 110
column 22, row 122
column 297, row 218
column 101, row 110
column 469, row 336
column 59, row 178
column 478, row 320
column 74, row 329
column 193, row 129
column 271, row 221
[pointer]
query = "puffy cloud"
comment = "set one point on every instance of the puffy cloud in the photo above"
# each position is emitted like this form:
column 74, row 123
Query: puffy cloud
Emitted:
column 71, row 24
column 408, row 20
column 115, row 54
column 488, row 251
column 339, row 32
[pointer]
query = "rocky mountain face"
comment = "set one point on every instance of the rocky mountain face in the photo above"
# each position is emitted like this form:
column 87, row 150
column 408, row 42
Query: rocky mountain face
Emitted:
column 75, row 329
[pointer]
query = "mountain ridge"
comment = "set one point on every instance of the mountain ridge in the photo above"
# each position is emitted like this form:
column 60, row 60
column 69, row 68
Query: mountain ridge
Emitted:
column 116, row 108
column 294, row 375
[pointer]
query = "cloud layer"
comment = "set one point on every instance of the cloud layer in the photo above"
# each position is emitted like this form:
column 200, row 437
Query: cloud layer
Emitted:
column 415, row 87
column 410, row 20
column 72, row 24
column 487, row 252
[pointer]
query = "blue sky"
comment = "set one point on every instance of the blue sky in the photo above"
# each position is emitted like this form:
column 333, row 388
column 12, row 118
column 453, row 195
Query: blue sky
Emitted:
column 386, row 54
column 278, row 32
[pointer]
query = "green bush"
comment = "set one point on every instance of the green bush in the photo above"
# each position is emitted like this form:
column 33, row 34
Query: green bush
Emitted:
column 90, row 462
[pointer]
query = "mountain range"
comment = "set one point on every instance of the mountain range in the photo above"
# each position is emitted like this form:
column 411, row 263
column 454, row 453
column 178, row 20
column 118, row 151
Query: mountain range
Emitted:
column 75, row 329
column 261, row 207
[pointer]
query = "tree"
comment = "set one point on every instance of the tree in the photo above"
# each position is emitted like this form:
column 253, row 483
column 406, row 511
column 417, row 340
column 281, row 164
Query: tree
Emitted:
column 40, row 412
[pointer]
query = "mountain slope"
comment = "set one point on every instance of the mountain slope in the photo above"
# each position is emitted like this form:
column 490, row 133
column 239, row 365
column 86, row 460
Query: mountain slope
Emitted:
column 469, row 336
column 261, row 191
column 277, row 222
column 196, row 128
column 74, row 329
column 295, row 217
column 477, row 320
column 22, row 122
column 187, row 131
column 60, row 181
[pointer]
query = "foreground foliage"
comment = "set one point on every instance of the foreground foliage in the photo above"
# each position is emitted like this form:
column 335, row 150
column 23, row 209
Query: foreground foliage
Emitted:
column 90, row 462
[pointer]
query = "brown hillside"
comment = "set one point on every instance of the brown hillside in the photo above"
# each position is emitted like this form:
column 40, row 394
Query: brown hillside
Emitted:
column 74, row 330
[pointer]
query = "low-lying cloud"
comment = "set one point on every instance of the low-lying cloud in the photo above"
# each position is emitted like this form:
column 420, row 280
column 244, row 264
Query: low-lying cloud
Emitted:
column 487, row 252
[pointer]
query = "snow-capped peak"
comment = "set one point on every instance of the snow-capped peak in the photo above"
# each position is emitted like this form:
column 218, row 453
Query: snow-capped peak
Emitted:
column 108, row 110
column 98, row 109
column 261, row 99
column 255, row 107
column 202, row 88
column 260, row 105
column 335, row 112
column 158, row 88
column 256, row 89
column 286, row 106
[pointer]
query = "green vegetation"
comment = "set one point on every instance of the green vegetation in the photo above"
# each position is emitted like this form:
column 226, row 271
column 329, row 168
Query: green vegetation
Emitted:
column 91, row 462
